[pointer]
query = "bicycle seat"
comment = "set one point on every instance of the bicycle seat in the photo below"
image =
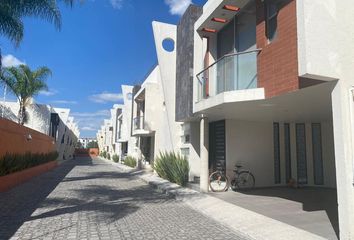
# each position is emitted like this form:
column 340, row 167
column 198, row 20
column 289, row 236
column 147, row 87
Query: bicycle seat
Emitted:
column 238, row 166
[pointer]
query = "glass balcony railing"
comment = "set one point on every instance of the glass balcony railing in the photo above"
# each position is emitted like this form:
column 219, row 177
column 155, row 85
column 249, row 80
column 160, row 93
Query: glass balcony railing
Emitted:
column 236, row 71
column 139, row 123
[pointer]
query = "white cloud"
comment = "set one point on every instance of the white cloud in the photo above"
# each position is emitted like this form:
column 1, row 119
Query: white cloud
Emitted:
column 178, row 7
column 100, row 113
column 11, row 61
column 48, row 93
column 106, row 97
column 88, row 128
column 116, row 4
column 64, row 102
column 90, row 121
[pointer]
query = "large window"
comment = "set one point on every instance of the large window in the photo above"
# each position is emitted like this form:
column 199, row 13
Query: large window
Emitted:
column 317, row 154
column 271, row 14
column 277, row 177
column 287, row 146
column 301, row 153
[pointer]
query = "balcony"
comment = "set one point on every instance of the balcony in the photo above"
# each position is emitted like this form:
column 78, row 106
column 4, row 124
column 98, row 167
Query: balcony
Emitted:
column 232, row 78
column 236, row 71
column 139, row 123
column 140, row 128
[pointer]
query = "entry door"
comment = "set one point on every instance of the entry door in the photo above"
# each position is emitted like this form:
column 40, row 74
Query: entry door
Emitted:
column 217, row 145
column 301, row 153
column 147, row 148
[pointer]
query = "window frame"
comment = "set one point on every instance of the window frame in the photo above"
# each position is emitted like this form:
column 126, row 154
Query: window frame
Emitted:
column 270, row 17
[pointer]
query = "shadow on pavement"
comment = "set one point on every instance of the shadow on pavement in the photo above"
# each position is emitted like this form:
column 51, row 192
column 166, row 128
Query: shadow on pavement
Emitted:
column 113, row 204
column 311, row 198
column 18, row 204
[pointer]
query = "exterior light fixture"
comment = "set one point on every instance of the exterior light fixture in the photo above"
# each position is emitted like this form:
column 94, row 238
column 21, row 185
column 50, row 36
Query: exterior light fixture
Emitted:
column 219, row 20
column 210, row 30
column 29, row 137
column 231, row 8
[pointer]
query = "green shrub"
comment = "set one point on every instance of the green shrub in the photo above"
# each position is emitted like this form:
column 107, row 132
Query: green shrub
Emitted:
column 108, row 156
column 104, row 154
column 11, row 163
column 115, row 158
column 172, row 167
column 130, row 161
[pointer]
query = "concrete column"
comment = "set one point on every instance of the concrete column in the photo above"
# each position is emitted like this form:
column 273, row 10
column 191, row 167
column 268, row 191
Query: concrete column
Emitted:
column 342, row 108
column 204, row 154
column 140, row 153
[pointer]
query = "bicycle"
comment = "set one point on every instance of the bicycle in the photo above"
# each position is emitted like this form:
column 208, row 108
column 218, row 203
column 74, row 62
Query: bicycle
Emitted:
column 219, row 182
column 243, row 180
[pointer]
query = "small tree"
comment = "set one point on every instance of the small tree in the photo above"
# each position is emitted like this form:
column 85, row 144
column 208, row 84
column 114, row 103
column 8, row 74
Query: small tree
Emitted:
column 92, row 145
column 115, row 158
column 25, row 84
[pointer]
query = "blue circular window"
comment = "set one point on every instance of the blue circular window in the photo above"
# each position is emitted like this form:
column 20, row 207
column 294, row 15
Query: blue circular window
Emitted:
column 168, row 44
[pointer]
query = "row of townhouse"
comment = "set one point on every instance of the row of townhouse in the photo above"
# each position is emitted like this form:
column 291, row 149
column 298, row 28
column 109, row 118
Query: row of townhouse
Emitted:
column 86, row 142
column 54, row 122
column 267, row 84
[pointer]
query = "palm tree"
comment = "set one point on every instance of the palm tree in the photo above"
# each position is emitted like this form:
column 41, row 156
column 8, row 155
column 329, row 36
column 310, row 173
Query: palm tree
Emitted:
column 25, row 84
column 12, row 13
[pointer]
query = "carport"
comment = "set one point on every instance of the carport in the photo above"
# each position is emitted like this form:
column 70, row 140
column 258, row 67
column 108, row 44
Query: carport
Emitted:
column 288, row 137
column 311, row 209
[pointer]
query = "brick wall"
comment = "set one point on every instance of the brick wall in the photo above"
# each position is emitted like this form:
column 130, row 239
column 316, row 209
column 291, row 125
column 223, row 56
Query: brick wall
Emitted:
column 278, row 61
column 13, row 139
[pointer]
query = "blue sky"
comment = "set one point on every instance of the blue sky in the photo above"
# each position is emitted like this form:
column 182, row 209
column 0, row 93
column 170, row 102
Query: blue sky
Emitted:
column 102, row 45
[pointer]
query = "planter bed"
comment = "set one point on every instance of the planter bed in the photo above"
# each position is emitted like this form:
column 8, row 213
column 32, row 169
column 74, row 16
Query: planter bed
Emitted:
column 11, row 180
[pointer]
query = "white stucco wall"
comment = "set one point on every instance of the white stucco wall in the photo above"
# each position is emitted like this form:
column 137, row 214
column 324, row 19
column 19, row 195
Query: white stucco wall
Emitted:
column 317, row 28
column 38, row 115
column 168, row 136
column 325, row 39
column 193, row 130
column 68, row 129
column 251, row 145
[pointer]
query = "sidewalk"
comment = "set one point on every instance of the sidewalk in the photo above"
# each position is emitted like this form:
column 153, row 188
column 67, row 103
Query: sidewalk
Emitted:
column 241, row 220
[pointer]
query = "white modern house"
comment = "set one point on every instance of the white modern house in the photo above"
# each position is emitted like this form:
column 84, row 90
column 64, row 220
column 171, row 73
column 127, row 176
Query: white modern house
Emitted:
column 125, row 142
column 65, row 131
column 38, row 115
column 273, row 92
column 264, row 84
column 85, row 141
column 154, row 122
column 115, row 112
column 55, row 122
column 107, row 131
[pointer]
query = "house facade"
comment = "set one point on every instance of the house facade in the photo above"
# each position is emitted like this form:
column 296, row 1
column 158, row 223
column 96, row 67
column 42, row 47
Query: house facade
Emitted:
column 154, row 124
column 273, row 94
column 85, row 141
column 256, row 83
column 125, row 141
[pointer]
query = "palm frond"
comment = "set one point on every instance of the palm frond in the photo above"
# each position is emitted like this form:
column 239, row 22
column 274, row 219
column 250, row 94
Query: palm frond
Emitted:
column 11, row 24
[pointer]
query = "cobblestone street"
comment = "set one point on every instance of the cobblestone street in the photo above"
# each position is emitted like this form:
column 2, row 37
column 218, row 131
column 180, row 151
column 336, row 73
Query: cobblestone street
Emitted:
column 90, row 199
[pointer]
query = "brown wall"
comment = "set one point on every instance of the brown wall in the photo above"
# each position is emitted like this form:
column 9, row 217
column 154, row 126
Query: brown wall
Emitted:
column 93, row 152
column 13, row 139
column 278, row 61
column 9, row 181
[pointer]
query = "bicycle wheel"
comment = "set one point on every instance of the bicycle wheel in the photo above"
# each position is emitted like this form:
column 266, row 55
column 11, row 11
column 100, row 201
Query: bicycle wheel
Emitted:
column 245, row 181
column 218, row 182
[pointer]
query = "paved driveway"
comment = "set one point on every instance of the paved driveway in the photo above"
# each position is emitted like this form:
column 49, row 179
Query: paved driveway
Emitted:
column 90, row 199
